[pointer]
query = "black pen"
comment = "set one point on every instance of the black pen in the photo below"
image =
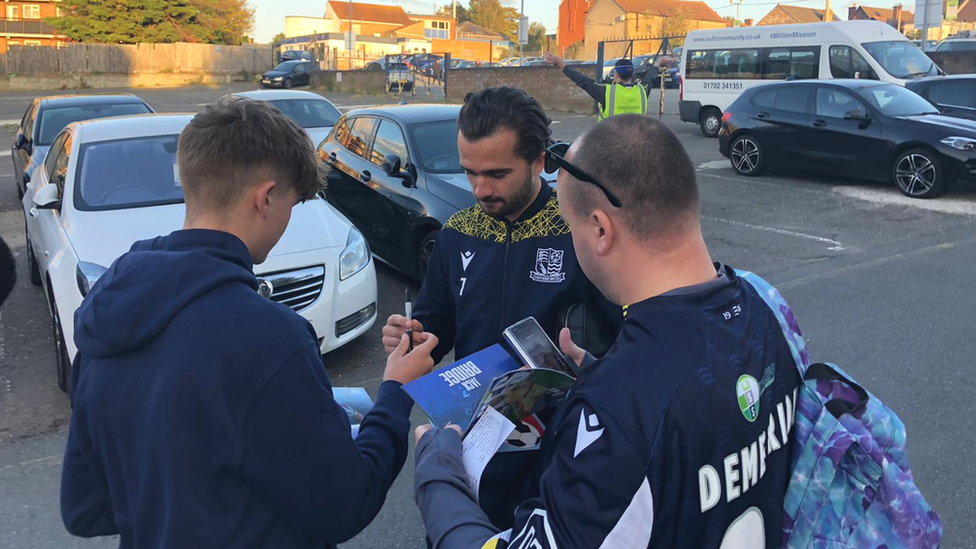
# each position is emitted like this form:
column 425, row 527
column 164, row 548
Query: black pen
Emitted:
column 409, row 307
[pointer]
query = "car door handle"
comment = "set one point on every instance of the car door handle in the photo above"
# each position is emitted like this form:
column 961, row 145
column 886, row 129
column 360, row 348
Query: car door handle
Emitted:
column 33, row 212
column 366, row 176
column 332, row 158
column 763, row 115
column 819, row 123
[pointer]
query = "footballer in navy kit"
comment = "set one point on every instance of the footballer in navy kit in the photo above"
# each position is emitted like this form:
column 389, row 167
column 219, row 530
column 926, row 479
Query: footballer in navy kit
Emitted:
column 680, row 435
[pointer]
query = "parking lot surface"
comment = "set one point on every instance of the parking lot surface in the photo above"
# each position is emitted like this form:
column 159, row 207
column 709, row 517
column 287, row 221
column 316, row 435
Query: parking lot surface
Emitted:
column 881, row 285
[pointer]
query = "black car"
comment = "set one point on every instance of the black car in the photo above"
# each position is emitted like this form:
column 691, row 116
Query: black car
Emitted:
column 953, row 95
column 47, row 116
column 854, row 128
column 288, row 74
column 396, row 175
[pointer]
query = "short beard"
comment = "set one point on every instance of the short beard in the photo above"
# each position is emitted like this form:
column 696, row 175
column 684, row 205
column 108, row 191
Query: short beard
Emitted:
column 517, row 202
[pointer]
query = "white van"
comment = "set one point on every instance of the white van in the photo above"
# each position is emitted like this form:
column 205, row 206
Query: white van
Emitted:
column 718, row 64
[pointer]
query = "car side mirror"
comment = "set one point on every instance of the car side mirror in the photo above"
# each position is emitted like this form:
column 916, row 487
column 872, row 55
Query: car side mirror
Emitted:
column 47, row 198
column 391, row 165
column 20, row 142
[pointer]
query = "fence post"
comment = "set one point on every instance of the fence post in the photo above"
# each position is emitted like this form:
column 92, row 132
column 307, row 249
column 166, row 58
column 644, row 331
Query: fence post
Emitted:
column 660, row 111
column 599, row 72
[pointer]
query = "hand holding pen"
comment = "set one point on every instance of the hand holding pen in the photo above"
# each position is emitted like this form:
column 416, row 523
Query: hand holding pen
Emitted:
column 398, row 325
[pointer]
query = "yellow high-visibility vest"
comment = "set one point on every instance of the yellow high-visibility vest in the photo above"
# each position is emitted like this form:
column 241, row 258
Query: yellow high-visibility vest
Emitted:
column 622, row 99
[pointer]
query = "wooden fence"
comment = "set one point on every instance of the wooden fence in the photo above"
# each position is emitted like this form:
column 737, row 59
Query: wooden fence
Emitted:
column 136, row 59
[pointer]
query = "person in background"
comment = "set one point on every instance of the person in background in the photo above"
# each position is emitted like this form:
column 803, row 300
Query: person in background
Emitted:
column 623, row 96
column 506, row 258
column 8, row 272
column 202, row 412
column 681, row 435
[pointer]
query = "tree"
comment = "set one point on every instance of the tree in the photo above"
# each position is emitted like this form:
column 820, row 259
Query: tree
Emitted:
column 276, row 39
column 491, row 15
column 676, row 23
column 731, row 21
column 155, row 21
column 537, row 37
column 575, row 50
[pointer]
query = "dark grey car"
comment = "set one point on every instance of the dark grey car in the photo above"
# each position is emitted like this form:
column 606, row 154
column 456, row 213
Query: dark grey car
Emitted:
column 47, row 116
column 953, row 95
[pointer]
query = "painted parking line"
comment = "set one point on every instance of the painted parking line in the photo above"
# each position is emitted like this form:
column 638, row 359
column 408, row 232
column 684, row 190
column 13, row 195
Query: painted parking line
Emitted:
column 4, row 153
column 834, row 245
column 14, row 122
column 953, row 203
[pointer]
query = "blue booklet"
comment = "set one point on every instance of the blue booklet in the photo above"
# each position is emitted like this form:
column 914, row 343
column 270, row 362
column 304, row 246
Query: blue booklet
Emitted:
column 453, row 394
column 356, row 402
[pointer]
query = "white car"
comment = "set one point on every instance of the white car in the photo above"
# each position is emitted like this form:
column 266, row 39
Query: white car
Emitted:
column 311, row 111
column 106, row 184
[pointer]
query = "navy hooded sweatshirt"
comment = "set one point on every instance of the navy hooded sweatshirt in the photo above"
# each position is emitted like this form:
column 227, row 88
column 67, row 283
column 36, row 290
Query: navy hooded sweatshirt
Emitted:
column 203, row 415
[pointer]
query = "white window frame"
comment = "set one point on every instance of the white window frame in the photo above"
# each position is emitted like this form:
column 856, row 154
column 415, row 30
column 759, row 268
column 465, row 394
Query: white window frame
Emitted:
column 13, row 12
column 36, row 43
column 34, row 9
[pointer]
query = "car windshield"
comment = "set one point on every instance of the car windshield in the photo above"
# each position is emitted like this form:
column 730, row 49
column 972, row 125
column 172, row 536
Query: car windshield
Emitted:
column 308, row 113
column 610, row 62
column 128, row 173
column 895, row 100
column 437, row 145
column 957, row 45
column 901, row 59
column 53, row 120
column 286, row 66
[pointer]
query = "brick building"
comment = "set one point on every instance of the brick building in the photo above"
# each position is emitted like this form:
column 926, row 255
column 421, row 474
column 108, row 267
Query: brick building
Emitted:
column 22, row 24
column 572, row 23
column 366, row 19
column 788, row 15
column 623, row 19
column 897, row 16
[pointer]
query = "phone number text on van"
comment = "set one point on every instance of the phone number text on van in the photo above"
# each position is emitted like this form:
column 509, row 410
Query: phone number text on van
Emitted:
column 722, row 85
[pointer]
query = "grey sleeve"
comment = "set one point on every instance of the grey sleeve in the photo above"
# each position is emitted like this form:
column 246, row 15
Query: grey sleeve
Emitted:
column 450, row 511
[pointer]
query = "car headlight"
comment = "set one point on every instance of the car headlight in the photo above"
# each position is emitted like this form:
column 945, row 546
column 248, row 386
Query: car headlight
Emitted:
column 961, row 143
column 355, row 256
column 279, row 78
column 87, row 274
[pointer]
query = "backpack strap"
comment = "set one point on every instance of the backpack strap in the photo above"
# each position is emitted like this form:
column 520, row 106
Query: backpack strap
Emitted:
column 787, row 322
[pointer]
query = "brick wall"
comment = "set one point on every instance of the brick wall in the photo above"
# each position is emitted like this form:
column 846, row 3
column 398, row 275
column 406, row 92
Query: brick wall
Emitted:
column 361, row 82
column 956, row 62
column 547, row 84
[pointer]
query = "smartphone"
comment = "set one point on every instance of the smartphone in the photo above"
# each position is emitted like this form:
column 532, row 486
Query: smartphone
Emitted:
column 530, row 341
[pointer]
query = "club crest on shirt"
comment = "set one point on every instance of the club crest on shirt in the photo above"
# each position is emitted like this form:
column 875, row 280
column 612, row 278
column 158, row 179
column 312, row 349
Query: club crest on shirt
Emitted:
column 548, row 266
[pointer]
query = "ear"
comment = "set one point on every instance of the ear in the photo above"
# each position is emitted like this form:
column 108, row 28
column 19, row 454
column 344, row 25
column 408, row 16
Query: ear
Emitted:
column 264, row 193
column 538, row 165
column 603, row 230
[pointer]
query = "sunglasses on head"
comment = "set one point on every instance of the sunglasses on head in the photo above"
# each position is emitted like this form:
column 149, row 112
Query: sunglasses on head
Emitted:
column 556, row 159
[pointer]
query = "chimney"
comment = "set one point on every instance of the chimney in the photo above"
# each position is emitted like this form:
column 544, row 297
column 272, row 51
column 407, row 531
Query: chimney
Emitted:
column 851, row 11
column 896, row 15
column 748, row 22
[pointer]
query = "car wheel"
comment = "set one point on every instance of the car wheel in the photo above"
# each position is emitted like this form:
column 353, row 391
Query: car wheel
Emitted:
column 426, row 250
column 60, row 349
column 746, row 156
column 32, row 268
column 288, row 83
column 711, row 122
column 918, row 174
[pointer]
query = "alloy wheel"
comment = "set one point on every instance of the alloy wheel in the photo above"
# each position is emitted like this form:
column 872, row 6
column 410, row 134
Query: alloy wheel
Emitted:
column 745, row 155
column 915, row 174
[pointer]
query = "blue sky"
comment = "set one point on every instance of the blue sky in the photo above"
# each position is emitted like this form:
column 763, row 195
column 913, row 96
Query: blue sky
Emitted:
column 269, row 17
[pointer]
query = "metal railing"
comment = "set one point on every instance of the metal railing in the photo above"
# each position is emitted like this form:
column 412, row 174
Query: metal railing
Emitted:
column 8, row 26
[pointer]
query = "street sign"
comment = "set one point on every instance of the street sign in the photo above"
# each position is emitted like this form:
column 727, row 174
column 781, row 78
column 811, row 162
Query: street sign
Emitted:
column 952, row 10
column 523, row 31
column 928, row 16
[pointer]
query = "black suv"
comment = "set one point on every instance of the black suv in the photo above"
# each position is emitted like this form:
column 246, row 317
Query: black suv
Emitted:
column 953, row 95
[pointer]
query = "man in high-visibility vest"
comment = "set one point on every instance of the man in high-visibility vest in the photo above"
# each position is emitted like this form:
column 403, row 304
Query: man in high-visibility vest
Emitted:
column 624, row 96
